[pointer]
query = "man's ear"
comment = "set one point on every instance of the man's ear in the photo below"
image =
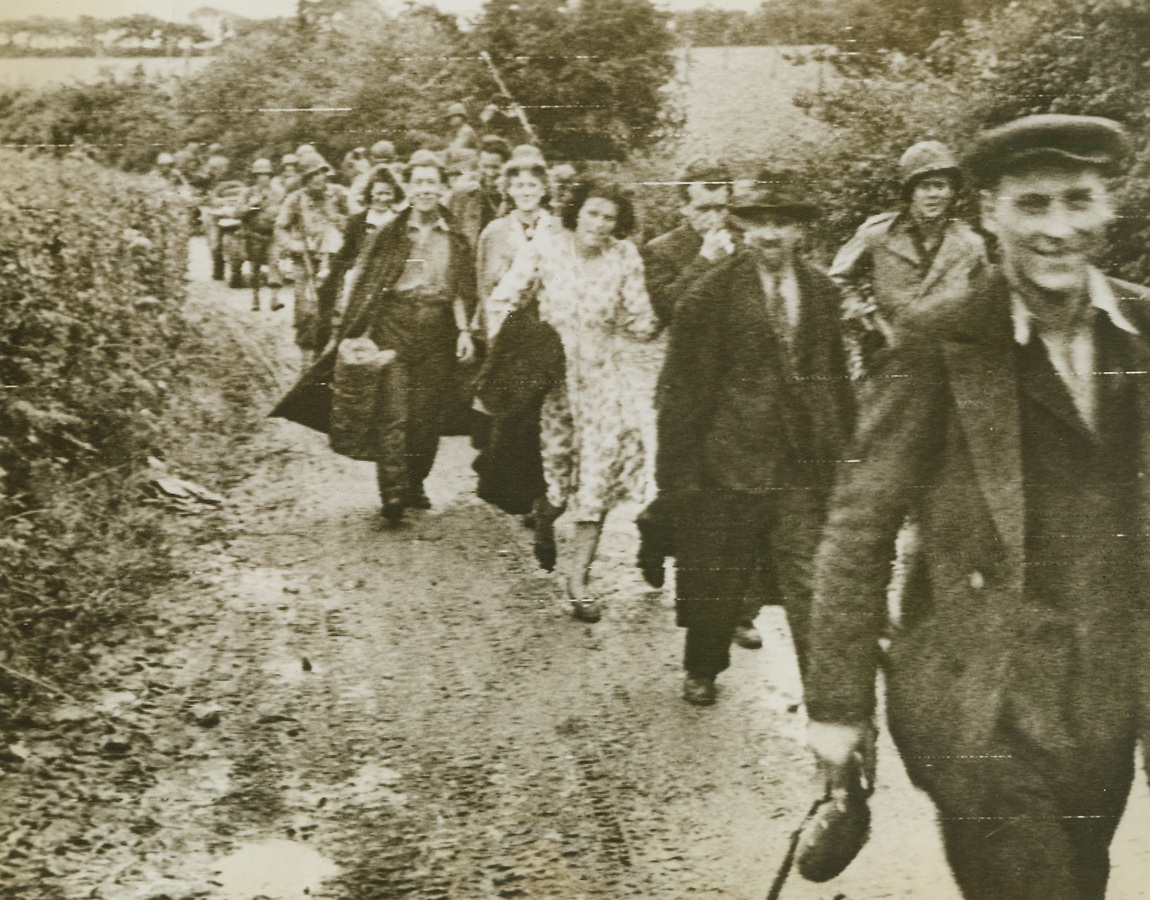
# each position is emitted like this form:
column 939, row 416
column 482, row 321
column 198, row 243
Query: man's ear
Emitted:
column 988, row 209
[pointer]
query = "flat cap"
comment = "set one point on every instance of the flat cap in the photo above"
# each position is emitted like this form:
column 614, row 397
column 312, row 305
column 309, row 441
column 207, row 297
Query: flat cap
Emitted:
column 1087, row 140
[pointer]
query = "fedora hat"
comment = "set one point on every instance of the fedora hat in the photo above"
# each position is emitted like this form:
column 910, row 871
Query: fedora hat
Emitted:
column 779, row 193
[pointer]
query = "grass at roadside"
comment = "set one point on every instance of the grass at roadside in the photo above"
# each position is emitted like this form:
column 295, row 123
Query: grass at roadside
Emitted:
column 106, row 369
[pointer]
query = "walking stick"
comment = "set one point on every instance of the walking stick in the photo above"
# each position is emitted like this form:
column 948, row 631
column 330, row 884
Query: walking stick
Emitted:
column 789, row 860
column 519, row 113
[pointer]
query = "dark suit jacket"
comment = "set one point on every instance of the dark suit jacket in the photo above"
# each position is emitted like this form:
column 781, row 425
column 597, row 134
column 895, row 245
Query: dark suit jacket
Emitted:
column 730, row 409
column 940, row 439
column 672, row 264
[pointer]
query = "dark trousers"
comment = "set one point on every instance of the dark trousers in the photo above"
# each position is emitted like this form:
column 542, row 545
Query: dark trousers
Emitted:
column 731, row 547
column 1032, row 823
column 422, row 382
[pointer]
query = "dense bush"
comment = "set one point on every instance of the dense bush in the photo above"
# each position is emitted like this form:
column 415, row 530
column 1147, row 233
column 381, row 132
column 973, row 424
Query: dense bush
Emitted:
column 124, row 123
column 342, row 83
column 1048, row 56
column 92, row 270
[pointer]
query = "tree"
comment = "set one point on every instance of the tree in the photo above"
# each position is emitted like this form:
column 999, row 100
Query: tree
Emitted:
column 345, row 79
column 590, row 74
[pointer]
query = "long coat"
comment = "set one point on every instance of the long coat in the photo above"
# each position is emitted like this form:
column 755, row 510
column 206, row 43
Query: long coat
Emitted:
column 729, row 410
column 383, row 264
column 942, row 439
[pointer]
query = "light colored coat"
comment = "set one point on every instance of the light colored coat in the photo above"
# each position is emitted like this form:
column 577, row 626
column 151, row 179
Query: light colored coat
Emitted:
column 882, row 264
column 498, row 245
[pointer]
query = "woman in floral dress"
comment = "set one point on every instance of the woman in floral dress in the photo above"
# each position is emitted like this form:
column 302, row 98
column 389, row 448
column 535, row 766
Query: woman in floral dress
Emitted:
column 591, row 291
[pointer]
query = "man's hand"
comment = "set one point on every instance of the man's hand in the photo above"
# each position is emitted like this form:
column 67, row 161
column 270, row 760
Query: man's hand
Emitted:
column 843, row 749
column 717, row 243
column 465, row 347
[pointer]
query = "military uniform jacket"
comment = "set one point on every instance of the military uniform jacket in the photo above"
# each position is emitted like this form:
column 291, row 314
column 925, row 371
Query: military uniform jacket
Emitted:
column 883, row 262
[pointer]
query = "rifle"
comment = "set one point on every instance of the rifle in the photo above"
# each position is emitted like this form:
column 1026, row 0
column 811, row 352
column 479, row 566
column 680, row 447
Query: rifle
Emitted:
column 519, row 113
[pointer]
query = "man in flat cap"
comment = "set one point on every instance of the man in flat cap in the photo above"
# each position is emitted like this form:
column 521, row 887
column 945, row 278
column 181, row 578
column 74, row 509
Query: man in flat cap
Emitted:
column 755, row 405
column 1015, row 427
column 901, row 263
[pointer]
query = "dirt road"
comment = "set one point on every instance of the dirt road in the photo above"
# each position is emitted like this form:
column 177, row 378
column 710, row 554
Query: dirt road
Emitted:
column 331, row 709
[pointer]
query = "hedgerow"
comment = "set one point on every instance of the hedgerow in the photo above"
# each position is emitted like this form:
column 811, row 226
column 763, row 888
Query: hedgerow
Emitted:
column 92, row 285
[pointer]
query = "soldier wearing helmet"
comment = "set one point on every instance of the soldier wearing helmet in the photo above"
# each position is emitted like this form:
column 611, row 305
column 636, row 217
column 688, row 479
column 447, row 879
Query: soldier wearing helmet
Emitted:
column 167, row 169
column 288, row 178
column 911, row 260
column 459, row 133
column 262, row 204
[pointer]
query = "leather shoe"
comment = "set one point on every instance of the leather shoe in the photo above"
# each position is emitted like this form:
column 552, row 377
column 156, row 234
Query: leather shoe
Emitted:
column 699, row 690
column 586, row 610
column 419, row 499
column 393, row 510
column 833, row 836
column 747, row 636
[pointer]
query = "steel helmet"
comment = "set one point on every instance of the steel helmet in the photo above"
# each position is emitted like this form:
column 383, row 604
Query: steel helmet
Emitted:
column 928, row 158
column 262, row 167
column 382, row 151
column 165, row 159
column 289, row 159
column 455, row 109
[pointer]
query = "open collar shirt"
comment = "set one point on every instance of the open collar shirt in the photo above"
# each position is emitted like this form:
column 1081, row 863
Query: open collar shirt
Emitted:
column 1073, row 354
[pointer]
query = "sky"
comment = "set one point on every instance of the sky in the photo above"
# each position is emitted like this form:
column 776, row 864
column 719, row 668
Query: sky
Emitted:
column 177, row 10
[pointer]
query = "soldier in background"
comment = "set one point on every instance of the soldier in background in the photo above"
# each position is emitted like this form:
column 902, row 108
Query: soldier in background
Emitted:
column 902, row 263
column 262, row 204
column 460, row 134
column 310, row 229
column 473, row 205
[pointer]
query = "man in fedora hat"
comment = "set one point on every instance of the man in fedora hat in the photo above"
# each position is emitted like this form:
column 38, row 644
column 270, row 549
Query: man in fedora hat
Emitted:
column 1015, row 427
column 755, row 404
column 902, row 262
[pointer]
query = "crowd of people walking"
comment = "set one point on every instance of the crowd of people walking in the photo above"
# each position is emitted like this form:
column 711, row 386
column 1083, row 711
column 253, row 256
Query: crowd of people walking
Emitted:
column 927, row 420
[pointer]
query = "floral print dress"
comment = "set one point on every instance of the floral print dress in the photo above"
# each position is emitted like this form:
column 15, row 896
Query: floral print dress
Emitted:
column 593, row 425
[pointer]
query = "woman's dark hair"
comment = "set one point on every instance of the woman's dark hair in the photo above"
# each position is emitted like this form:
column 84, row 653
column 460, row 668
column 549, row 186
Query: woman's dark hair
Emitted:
column 383, row 174
column 605, row 190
